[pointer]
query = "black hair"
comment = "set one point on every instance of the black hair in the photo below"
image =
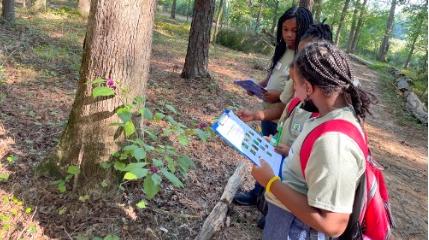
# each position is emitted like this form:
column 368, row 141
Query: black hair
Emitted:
column 304, row 19
column 319, row 31
column 327, row 67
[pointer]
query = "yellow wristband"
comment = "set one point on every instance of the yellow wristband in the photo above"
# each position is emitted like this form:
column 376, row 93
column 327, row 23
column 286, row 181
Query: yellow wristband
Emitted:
column 272, row 180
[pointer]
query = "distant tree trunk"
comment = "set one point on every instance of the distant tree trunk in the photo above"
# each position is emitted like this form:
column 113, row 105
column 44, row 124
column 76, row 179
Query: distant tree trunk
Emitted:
column 84, row 6
column 258, row 17
column 117, row 45
column 8, row 11
column 384, row 47
column 188, row 5
column 413, row 43
column 306, row 3
column 218, row 22
column 359, row 25
column 317, row 10
column 173, row 10
column 38, row 5
column 197, row 56
column 341, row 22
column 274, row 23
column 353, row 26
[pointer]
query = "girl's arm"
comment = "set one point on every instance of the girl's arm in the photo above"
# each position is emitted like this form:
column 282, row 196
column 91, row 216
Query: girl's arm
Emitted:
column 333, row 224
column 269, row 114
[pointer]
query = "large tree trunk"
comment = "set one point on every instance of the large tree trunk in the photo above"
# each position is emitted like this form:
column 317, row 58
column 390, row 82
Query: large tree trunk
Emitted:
column 117, row 45
column 353, row 26
column 83, row 7
column 384, row 47
column 218, row 22
column 359, row 26
column 8, row 11
column 317, row 10
column 274, row 23
column 307, row 4
column 173, row 10
column 197, row 56
column 341, row 22
column 413, row 43
column 38, row 5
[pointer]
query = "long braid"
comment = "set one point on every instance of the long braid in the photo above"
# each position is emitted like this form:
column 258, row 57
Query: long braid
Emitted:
column 304, row 19
column 327, row 67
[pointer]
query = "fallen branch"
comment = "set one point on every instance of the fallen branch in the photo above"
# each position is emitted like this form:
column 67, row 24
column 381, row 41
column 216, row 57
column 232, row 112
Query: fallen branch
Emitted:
column 216, row 219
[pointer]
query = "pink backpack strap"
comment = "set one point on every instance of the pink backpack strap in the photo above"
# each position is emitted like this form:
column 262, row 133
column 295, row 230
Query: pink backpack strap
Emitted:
column 335, row 125
column 292, row 105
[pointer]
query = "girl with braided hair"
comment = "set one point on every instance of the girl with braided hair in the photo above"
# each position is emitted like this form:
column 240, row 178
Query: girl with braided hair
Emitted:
column 315, row 201
column 290, row 27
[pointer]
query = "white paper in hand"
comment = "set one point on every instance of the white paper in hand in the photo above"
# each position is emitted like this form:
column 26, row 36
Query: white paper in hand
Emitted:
column 246, row 140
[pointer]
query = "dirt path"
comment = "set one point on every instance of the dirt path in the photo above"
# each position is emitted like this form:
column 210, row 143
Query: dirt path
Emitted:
column 402, row 150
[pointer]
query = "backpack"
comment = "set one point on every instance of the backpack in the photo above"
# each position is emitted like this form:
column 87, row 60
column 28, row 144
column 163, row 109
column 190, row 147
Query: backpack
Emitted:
column 371, row 217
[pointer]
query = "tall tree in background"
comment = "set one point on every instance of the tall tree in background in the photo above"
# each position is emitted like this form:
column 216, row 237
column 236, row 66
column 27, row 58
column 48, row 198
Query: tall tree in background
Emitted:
column 8, row 11
column 384, row 47
column 353, row 27
column 341, row 22
column 359, row 26
column 83, row 7
column 117, row 45
column 173, row 10
column 275, row 11
column 317, row 10
column 307, row 4
column 258, row 16
column 417, row 29
column 197, row 56
column 219, row 17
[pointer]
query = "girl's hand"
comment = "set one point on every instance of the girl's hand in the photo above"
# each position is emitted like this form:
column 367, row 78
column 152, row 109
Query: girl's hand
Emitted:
column 272, row 96
column 246, row 115
column 263, row 173
column 283, row 149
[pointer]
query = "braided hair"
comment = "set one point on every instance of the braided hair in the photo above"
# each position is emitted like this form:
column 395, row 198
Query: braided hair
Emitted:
column 304, row 19
column 327, row 67
column 319, row 31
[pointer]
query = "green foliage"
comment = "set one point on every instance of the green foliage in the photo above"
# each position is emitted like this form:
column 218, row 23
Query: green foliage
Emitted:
column 146, row 160
column 244, row 41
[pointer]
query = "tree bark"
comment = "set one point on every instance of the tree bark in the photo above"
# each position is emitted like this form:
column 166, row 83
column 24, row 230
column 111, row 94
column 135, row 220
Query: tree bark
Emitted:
column 413, row 43
column 84, row 6
column 173, row 10
column 38, row 5
column 117, row 45
column 341, row 22
column 307, row 4
column 218, row 22
column 384, row 47
column 353, row 26
column 197, row 56
column 359, row 26
column 8, row 11
column 317, row 10
column 274, row 23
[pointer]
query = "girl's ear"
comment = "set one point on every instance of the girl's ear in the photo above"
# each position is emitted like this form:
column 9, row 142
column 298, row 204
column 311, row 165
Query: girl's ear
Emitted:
column 309, row 89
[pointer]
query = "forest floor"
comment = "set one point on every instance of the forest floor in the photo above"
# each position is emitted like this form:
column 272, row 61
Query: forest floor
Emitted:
column 39, row 65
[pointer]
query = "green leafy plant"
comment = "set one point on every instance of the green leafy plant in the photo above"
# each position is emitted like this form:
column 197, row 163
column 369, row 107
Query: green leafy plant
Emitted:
column 148, row 155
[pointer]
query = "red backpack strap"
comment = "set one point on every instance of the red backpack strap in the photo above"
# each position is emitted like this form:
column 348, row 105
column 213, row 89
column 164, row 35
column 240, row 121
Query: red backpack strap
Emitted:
column 292, row 105
column 335, row 125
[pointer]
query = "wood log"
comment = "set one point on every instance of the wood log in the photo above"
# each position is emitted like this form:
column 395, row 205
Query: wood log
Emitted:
column 416, row 107
column 216, row 219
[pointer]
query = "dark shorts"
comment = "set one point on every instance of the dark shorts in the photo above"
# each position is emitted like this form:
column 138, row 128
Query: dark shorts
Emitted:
column 268, row 128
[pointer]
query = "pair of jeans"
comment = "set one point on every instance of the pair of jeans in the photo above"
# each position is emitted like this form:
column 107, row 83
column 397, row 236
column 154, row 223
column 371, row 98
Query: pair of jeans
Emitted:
column 283, row 225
